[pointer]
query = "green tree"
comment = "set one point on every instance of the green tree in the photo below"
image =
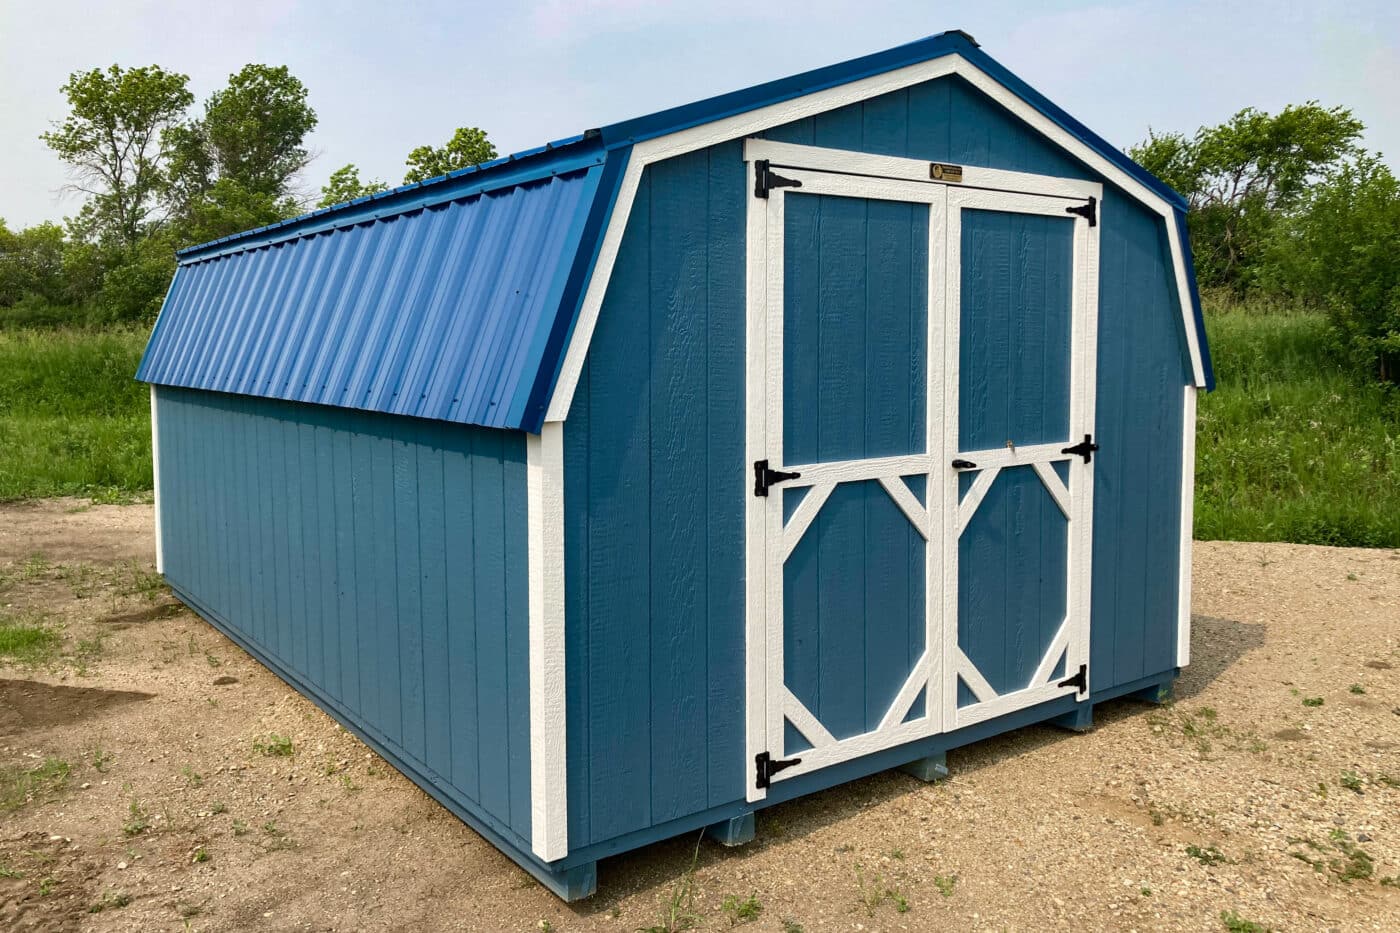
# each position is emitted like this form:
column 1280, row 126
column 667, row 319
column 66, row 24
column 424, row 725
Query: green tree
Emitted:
column 1341, row 249
column 345, row 185
column 1241, row 176
column 114, row 139
column 31, row 264
column 234, row 168
column 468, row 146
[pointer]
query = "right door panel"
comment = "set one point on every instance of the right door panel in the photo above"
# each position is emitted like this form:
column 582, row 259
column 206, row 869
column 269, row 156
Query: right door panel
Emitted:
column 1022, row 347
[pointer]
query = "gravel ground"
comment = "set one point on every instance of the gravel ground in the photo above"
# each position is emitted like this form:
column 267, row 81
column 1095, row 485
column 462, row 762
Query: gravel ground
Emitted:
column 1268, row 793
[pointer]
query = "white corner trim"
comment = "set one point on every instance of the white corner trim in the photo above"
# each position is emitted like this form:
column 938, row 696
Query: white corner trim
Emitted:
column 1188, row 502
column 155, row 480
column 745, row 124
column 544, row 482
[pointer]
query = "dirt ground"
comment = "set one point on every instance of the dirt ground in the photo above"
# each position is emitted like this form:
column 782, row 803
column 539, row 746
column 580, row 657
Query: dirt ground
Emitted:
column 1268, row 793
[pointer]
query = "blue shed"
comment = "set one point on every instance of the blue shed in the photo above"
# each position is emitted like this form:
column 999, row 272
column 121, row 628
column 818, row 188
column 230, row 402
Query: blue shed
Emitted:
column 626, row 486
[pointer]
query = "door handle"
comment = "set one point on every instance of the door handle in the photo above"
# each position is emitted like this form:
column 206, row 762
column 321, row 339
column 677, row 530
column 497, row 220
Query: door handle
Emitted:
column 961, row 464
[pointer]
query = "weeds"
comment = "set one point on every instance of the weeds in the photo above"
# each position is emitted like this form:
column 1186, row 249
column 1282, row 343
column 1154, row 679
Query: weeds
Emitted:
column 1345, row 860
column 742, row 911
column 1351, row 781
column 874, row 891
column 1357, row 689
column 678, row 913
column 19, row 785
column 112, row 900
column 1208, row 856
column 137, row 821
column 1237, row 924
column 273, row 745
column 192, row 777
column 945, row 883
column 1313, row 701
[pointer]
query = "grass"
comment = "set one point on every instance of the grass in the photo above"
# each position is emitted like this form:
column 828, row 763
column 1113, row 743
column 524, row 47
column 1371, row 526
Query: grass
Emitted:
column 1291, row 446
column 73, row 421
column 24, row 639
column 19, row 785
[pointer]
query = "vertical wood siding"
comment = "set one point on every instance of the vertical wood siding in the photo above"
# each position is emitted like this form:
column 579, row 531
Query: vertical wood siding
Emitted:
column 379, row 560
column 655, row 476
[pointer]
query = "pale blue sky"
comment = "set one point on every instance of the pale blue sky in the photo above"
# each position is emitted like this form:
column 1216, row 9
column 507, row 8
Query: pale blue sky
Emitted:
column 385, row 78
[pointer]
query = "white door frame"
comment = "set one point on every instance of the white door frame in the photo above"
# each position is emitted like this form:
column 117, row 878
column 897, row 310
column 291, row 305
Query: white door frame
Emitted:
column 769, row 538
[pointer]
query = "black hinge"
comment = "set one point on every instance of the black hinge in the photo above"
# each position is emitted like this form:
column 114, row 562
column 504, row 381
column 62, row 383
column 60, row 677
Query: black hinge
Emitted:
column 1079, row 680
column 765, row 179
column 765, row 766
column 764, row 477
column 1085, row 450
column 1089, row 212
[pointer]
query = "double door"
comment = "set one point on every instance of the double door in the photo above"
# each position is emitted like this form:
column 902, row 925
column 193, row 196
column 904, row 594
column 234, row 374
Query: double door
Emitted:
column 920, row 384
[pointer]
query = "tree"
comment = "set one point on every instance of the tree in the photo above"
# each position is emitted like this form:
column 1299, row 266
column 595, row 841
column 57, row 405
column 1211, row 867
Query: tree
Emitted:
column 1341, row 249
column 234, row 168
column 115, row 141
column 31, row 264
column 1240, row 176
column 468, row 146
column 345, row 185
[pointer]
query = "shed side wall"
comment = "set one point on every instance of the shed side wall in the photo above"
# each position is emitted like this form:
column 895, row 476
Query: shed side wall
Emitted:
column 655, row 477
column 380, row 561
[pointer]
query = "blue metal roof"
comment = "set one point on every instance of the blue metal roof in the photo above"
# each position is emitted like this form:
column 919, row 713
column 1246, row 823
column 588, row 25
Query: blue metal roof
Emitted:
column 455, row 298
column 438, row 312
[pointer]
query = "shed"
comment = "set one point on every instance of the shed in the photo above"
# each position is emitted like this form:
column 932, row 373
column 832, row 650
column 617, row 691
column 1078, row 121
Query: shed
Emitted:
column 625, row 486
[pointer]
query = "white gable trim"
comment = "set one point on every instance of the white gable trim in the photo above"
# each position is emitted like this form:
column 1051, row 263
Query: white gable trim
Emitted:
column 754, row 121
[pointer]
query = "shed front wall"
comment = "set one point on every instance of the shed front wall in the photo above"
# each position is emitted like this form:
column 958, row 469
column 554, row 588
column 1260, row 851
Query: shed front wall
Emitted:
column 656, row 478
column 377, row 563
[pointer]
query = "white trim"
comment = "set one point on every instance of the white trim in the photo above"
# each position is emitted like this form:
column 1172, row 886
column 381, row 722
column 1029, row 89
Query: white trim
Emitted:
column 1057, row 489
column 745, row 124
column 975, row 494
column 846, row 161
column 155, row 480
column 796, row 712
column 904, row 498
column 970, row 675
column 544, row 483
column 916, row 683
column 1188, row 503
column 804, row 514
column 1050, row 660
column 755, row 519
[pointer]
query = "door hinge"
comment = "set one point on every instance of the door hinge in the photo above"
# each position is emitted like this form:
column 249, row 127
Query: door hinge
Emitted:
column 765, row 179
column 764, row 477
column 1079, row 680
column 1085, row 449
column 1089, row 211
column 765, row 766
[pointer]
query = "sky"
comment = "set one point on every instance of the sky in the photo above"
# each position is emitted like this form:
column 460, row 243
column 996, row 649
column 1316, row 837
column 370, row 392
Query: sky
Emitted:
column 385, row 78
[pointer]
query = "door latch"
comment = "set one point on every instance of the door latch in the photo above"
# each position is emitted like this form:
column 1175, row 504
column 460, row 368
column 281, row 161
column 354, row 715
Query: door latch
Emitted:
column 1085, row 449
column 765, row 766
column 961, row 464
column 764, row 477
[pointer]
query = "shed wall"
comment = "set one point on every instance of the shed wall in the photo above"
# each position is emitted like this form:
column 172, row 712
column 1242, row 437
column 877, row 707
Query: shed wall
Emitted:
column 378, row 563
column 655, row 476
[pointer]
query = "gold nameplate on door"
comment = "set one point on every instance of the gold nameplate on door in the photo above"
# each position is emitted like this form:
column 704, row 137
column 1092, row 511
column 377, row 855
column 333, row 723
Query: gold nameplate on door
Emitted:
column 942, row 171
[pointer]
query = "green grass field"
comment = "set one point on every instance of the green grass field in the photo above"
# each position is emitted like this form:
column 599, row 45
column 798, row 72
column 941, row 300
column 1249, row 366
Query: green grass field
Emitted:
column 73, row 421
column 1290, row 446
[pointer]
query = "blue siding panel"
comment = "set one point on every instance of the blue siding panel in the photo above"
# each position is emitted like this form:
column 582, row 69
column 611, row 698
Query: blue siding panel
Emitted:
column 367, row 555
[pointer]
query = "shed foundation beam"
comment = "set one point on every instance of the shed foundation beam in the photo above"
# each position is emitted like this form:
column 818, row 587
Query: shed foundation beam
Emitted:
column 1080, row 719
column 571, row 884
column 732, row 832
column 1157, row 693
column 930, row 770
